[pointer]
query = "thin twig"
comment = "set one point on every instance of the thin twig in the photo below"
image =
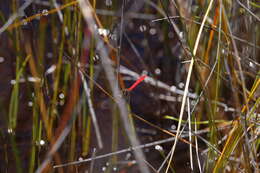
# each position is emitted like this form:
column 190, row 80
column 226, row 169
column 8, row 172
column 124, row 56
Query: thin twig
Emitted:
column 209, row 27
column 19, row 13
column 129, row 149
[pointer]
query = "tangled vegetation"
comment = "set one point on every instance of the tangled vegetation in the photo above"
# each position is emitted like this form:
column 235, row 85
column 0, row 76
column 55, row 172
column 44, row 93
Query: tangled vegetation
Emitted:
column 129, row 86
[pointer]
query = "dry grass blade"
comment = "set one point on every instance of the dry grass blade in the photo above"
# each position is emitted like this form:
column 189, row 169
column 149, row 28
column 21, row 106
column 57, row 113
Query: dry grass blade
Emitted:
column 188, row 81
column 190, row 132
column 234, row 137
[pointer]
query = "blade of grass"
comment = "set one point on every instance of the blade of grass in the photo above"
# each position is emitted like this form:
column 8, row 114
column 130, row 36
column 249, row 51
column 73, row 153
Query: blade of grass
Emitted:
column 86, row 128
column 233, row 138
column 188, row 81
column 190, row 131
column 195, row 122
column 212, row 155
column 14, row 102
column 53, row 108
column 92, row 112
column 40, row 96
column 197, row 149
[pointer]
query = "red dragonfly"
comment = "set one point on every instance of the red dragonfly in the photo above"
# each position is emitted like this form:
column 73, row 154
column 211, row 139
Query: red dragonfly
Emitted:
column 138, row 81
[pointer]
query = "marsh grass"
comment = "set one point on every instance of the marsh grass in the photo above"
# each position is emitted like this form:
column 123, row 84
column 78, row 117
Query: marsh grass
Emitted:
column 66, row 87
